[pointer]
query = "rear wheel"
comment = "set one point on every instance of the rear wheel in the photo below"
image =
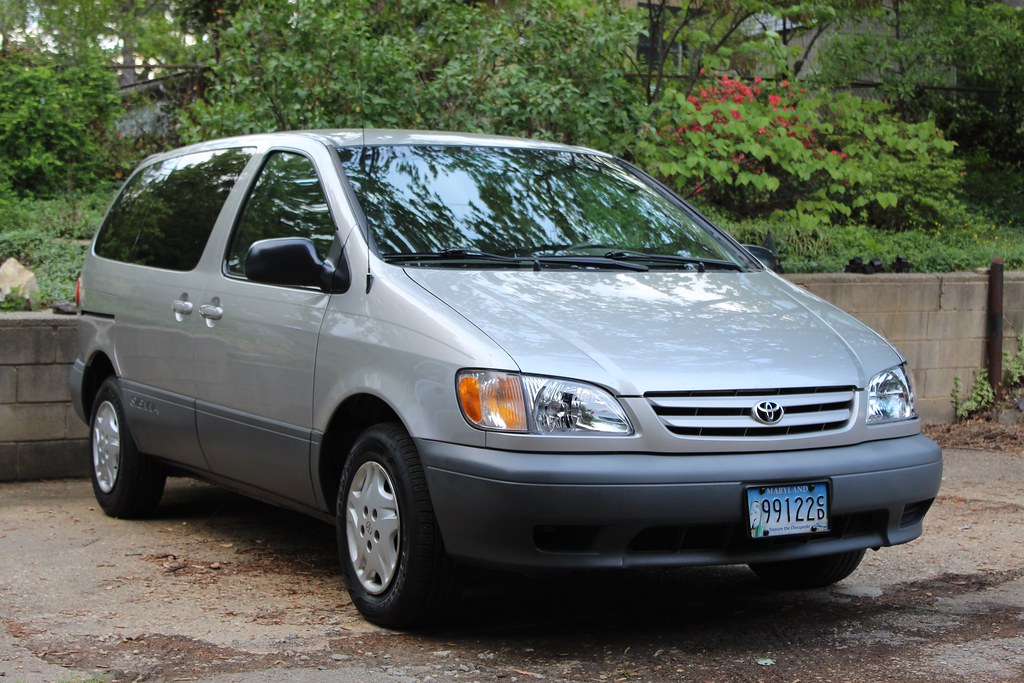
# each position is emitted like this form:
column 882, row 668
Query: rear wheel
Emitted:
column 126, row 483
column 391, row 552
column 812, row 572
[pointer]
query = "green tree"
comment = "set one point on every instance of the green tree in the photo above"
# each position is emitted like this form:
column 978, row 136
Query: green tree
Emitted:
column 680, row 41
column 206, row 20
column 13, row 20
column 54, row 122
column 551, row 68
column 683, row 43
column 960, row 62
column 136, row 35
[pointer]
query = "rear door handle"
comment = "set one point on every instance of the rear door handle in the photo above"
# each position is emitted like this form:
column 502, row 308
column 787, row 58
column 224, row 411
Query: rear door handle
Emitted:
column 211, row 311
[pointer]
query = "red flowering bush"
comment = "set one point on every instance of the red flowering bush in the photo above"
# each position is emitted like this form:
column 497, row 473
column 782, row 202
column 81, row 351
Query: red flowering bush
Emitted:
column 758, row 148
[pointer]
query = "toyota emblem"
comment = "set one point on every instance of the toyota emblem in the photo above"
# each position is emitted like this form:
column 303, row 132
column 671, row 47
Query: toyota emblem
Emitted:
column 768, row 412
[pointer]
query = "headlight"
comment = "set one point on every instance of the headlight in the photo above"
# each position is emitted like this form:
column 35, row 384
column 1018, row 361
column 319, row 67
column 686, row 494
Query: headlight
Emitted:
column 891, row 396
column 510, row 402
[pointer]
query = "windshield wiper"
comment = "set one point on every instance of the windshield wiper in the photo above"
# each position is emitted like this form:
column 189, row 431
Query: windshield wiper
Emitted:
column 536, row 261
column 448, row 254
column 590, row 262
column 701, row 264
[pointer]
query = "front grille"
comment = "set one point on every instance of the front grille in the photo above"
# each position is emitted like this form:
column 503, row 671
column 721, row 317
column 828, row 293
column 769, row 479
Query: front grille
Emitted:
column 731, row 413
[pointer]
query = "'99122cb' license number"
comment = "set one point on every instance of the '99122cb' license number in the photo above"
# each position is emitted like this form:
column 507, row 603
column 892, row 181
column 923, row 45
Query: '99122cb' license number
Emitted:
column 788, row 509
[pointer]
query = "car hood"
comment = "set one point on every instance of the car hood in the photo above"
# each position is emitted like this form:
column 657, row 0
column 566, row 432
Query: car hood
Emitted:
column 664, row 330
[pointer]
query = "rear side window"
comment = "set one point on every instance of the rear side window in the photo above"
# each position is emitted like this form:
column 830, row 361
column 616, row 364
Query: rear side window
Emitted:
column 166, row 212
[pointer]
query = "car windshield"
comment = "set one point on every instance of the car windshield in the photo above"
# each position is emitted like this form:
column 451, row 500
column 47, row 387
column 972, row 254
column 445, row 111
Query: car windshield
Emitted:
column 506, row 207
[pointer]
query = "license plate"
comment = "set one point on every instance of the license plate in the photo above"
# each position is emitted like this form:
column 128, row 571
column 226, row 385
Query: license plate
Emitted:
column 788, row 509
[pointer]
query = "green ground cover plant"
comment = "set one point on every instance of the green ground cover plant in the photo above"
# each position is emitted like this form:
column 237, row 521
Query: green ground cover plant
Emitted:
column 969, row 244
column 980, row 398
column 50, row 236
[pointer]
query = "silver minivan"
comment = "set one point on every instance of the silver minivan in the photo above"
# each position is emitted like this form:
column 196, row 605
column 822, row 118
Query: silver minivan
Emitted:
column 473, row 350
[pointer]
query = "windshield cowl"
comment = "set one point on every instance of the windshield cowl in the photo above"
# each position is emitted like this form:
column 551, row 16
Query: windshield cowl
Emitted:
column 612, row 260
column 456, row 258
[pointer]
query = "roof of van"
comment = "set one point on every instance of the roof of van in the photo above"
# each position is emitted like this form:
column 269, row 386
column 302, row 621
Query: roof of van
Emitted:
column 375, row 137
column 379, row 136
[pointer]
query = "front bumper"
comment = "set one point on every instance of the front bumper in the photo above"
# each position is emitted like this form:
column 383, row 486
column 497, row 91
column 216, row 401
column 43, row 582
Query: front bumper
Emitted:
column 556, row 511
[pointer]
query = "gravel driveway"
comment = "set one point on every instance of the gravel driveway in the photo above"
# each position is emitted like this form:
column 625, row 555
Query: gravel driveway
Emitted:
column 221, row 588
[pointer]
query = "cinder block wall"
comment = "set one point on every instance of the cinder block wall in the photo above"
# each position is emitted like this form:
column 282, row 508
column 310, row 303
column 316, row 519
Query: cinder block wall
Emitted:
column 937, row 321
column 40, row 435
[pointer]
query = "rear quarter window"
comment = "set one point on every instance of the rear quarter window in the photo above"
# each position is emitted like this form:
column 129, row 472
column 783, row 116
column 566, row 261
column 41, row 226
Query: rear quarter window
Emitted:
column 165, row 213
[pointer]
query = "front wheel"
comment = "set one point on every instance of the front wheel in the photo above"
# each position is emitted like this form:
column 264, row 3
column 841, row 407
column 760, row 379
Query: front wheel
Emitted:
column 812, row 572
column 126, row 483
column 392, row 556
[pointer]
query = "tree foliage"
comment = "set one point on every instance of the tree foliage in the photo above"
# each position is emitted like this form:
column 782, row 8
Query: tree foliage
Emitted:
column 672, row 84
column 549, row 68
column 681, row 40
column 54, row 122
column 960, row 62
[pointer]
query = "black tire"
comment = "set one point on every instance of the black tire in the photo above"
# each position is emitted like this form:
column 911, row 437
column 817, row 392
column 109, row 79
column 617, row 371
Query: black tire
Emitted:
column 127, row 484
column 813, row 572
column 392, row 555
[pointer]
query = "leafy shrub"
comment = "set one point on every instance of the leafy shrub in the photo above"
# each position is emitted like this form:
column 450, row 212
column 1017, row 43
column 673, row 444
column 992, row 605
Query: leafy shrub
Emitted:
column 54, row 120
column 987, row 189
column 911, row 170
column 819, row 248
column 755, row 149
column 981, row 398
column 745, row 148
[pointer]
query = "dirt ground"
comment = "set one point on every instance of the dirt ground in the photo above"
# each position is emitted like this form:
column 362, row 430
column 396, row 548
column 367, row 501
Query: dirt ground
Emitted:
column 220, row 588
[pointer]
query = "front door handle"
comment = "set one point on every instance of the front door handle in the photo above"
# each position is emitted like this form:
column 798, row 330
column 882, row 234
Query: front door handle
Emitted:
column 181, row 307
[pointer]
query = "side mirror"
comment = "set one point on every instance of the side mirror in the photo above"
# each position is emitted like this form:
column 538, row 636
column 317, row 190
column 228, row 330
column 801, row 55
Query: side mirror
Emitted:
column 766, row 256
column 293, row 261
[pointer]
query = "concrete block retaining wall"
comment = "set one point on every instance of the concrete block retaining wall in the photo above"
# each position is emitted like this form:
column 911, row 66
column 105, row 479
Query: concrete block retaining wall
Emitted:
column 40, row 435
column 938, row 321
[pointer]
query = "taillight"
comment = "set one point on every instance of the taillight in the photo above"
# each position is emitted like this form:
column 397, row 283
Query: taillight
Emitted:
column 78, row 292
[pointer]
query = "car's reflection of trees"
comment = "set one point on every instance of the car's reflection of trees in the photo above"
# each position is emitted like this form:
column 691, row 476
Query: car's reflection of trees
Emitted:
column 737, row 322
column 512, row 201
column 167, row 211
